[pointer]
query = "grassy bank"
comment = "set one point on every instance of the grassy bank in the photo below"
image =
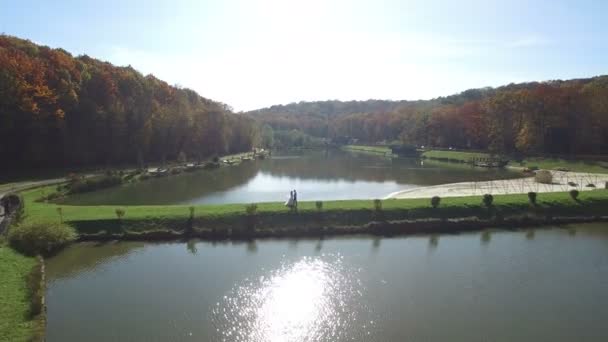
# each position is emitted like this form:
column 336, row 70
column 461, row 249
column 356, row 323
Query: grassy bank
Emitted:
column 592, row 166
column 368, row 149
column 570, row 165
column 273, row 219
column 17, row 322
column 454, row 155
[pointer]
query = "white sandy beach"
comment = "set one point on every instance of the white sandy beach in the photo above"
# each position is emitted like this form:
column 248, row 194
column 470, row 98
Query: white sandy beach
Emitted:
column 508, row 186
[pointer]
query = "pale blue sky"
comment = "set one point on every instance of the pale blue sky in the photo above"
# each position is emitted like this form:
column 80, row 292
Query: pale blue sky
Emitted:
column 255, row 53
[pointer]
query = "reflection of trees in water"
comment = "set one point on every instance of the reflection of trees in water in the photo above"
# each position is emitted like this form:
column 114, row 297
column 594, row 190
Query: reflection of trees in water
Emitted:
column 173, row 189
column 353, row 167
column 191, row 246
column 530, row 234
column 433, row 241
column 252, row 247
column 86, row 256
column 486, row 236
column 376, row 243
column 319, row 245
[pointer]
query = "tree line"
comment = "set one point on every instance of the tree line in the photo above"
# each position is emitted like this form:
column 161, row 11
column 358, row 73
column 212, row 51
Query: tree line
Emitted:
column 59, row 110
column 556, row 117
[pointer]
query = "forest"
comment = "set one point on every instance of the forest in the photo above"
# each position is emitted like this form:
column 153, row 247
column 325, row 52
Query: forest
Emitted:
column 555, row 117
column 57, row 110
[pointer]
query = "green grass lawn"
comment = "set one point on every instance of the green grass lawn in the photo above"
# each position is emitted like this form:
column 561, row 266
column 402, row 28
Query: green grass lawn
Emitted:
column 455, row 155
column 370, row 149
column 15, row 323
column 591, row 166
column 571, row 165
column 590, row 202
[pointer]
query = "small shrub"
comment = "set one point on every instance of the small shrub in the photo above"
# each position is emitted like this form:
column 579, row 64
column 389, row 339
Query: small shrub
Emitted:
column 120, row 213
column 210, row 166
column 378, row 205
column 590, row 185
column 572, row 184
column 130, row 176
column 41, row 238
column 191, row 212
column 574, row 194
column 251, row 209
column 488, row 199
column 181, row 157
column 13, row 205
column 216, row 159
column 435, row 201
column 319, row 205
column 543, row 177
column 532, row 197
column 60, row 212
column 72, row 178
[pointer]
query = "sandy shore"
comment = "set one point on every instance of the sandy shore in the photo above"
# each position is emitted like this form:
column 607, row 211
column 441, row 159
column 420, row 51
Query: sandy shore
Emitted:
column 561, row 182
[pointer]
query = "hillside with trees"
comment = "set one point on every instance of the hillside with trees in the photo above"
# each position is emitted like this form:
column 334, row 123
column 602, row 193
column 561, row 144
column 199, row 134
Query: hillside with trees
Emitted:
column 58, row 110
column 557, row 117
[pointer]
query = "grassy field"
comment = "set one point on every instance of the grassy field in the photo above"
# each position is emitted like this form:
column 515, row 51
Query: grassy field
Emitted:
column 591, row 166
column 369, row 149
column 454, row 155
column 102, row 219
column 15, row 324
column 571, row 165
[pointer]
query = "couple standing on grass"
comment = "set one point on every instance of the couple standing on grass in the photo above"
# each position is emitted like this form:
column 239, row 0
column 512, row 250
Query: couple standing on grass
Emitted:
column 292, row 202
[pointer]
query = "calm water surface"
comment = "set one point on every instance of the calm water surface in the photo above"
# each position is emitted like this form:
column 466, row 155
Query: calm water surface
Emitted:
column 316, row 175
column 540, row 285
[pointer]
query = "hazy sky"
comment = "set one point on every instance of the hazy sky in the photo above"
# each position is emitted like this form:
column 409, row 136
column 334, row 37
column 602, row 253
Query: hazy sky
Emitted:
column 255, row 53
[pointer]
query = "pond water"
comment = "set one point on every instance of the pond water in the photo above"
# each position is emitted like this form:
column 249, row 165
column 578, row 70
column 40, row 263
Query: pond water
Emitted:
column 537, row 285
column 320, row 175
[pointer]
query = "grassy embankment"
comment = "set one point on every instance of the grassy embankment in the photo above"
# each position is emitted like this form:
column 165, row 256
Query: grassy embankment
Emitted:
column 368, row 149
column 19, row 320
column 591, row 166
column 335, row 217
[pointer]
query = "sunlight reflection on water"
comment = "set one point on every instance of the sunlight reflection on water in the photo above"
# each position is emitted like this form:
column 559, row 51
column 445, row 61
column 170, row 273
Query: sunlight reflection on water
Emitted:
column 312, row 299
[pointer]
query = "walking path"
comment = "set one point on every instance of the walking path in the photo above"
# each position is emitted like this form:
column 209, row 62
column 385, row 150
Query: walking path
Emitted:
column 561, row 181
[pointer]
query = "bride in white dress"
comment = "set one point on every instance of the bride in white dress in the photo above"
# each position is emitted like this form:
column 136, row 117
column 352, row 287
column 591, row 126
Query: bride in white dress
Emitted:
column 289, row 202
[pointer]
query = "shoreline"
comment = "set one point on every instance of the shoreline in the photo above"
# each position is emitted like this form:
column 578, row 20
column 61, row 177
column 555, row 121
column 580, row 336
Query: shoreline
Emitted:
column 372, row 228
column 507, row 186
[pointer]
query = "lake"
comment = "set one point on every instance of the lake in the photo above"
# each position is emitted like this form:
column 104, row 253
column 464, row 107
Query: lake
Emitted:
column 534, row 285
column 318, row 175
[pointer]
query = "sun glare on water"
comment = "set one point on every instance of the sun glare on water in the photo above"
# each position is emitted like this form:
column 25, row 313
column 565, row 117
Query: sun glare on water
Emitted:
column 313, row 299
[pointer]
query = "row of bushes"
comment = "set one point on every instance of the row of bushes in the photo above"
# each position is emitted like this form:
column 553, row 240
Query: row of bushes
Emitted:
column 79, row 185
column 251, row 209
